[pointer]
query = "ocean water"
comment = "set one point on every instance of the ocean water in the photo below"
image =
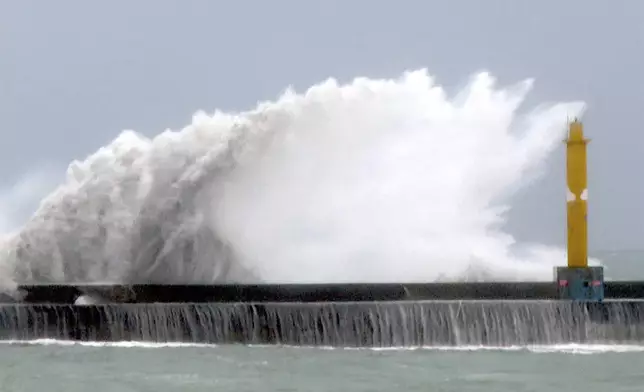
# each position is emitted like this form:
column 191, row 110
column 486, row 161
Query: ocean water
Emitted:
column 67, row 367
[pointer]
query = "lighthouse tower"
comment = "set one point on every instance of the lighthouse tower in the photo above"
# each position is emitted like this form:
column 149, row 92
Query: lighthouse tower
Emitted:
column 577, row 281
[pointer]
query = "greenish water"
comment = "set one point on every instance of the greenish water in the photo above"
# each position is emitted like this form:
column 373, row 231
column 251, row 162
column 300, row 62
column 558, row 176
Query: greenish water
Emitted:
column 237, row 368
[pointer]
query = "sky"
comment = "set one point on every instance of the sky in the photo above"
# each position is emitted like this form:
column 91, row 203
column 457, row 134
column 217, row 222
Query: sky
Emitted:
column 74, row 73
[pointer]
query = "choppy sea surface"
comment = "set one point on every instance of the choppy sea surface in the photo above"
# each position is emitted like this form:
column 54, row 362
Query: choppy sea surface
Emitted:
column 126, row 367
column 66, row 366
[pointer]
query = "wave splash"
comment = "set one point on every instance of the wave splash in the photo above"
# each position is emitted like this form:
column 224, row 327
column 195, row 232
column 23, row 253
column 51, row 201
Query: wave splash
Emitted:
column 374, row 180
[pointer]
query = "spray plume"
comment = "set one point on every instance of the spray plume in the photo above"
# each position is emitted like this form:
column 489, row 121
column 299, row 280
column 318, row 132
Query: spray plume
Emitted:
column 375, row 180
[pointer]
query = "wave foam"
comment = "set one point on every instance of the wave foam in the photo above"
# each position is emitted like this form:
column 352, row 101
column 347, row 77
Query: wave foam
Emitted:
column 539, row 349
column 375, row 180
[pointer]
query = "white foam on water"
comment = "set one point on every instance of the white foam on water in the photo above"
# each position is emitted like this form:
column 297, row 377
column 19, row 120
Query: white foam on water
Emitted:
column 571, row 348
column 374, row 180
column 124, row 344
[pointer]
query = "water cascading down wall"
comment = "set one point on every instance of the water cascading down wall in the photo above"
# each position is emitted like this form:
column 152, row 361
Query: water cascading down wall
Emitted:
column 340, row 315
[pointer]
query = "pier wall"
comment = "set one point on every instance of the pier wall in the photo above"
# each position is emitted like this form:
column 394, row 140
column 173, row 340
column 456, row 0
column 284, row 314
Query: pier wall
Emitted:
column 357, row 315
column 149, row 293
column 346, row 324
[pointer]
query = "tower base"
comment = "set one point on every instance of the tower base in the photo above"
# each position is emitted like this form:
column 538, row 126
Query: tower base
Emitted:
column 580, row 283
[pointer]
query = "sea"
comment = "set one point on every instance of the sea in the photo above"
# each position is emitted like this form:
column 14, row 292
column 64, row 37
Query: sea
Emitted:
column 62, row 367
column 147, row 366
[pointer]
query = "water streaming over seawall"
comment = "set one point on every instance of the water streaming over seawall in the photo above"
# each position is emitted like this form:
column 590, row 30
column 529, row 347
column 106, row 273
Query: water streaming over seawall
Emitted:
column 386, row 324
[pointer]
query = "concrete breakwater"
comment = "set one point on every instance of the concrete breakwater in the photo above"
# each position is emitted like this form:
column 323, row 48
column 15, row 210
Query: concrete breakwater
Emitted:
column 341, row 292
column 347, row 324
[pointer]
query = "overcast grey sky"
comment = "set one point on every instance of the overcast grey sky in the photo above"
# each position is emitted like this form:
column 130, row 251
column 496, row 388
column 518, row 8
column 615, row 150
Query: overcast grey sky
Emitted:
column 74, row 73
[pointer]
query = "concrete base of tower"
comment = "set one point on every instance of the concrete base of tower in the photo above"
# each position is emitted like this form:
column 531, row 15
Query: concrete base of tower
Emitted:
column 580, row 283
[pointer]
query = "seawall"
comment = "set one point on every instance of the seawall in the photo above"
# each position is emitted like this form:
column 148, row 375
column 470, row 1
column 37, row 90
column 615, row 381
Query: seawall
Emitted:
column 354, row 315
column 357, row 292
column 349, row 324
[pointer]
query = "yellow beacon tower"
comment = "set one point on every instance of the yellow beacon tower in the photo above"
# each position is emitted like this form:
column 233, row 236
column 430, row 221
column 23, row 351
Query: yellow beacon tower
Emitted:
column 578, row 281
